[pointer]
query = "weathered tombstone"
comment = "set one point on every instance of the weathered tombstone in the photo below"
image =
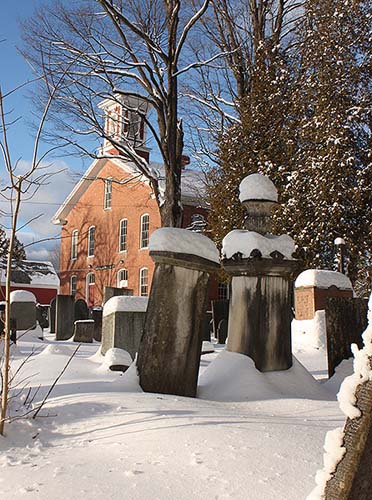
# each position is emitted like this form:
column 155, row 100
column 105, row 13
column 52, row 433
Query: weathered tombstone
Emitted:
column 111, row 291
column 169, row 353
column 81, row 310
column 64, row 317
column 351, row 478
column 207, row 326
column 52, row 316
column 222, row 331
column 313, row 287
column 23, row 309
column 220, row 311
column 122, row 324
column 96, row 315
column 262, row 267
column 42, row 313
column 83, row 330
column 346, row 320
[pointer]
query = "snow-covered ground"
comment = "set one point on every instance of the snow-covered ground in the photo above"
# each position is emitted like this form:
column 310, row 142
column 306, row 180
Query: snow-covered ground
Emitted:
column 248, row 435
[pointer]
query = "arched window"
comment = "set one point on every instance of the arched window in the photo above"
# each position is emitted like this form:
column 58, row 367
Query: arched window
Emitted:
column 107, row 200
column 144, row 282
column 91, row 240
column 122, row 278
column 73, row 285
column 123, row 231
column 145, row 227
column 74, row 244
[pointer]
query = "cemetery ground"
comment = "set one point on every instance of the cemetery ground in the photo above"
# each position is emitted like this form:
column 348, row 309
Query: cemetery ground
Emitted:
column 247, row 435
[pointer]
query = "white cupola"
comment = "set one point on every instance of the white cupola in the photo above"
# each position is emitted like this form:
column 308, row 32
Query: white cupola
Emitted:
column 124, row 122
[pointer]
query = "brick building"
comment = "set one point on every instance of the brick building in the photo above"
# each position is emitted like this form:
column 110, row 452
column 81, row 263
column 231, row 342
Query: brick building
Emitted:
column 108, row 218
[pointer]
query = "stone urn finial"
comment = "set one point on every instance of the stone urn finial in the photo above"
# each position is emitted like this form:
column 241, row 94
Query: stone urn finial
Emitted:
column 258, row 195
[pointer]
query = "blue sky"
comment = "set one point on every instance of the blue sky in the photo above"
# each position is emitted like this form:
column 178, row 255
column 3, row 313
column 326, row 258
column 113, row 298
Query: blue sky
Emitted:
column 14, row 72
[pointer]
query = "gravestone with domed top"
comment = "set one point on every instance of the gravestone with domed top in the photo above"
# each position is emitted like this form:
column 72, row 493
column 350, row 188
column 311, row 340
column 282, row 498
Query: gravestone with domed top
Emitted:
column 262, row 268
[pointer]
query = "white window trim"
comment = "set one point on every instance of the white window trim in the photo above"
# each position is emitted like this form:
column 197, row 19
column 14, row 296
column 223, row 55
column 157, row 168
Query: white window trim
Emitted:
column 126, row 236
column 118, row 281
column 108, row 182
column 148, row 232
column 87, row 284
column 72, row 277
column 89, row 241
column 74, row 244
column 140, row 281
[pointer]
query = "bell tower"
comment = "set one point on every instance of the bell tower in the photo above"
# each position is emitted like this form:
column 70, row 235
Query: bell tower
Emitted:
column 125, row 123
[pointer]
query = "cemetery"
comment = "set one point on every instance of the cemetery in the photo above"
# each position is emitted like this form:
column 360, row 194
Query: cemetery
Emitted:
column 170, row 400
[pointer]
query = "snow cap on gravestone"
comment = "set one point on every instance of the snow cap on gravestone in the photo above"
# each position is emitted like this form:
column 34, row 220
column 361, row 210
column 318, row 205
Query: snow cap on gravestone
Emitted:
column 257, row 187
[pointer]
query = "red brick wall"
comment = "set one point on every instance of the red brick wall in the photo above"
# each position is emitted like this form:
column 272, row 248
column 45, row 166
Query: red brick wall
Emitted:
column 311, row 299
column 129, row 201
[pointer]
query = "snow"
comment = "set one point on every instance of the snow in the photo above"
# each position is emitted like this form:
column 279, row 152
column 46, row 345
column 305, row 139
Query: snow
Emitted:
column 323, row 279
column 310, row 333
column 257, row 187
column 248, row 436
column 116, row 356
column 125, row 303
column 170, row 239
column 22, row 296
column 240, row 240
column 31, row 273
column 334, row 449
column 84, row 321
column 339, row 241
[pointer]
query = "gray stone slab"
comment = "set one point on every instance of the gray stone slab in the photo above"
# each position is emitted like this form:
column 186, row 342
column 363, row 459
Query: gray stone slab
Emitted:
column 52, row 316
column 122, row 330
column 24, row 315
column 110, row 291
column 64, row 317
column 83, row 331
column 96, row 315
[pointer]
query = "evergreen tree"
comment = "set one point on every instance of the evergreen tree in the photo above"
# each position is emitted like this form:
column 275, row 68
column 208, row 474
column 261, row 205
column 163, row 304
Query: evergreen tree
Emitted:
column 329, row 190
column 18, row 251
column 311, row 136
column 262, row 142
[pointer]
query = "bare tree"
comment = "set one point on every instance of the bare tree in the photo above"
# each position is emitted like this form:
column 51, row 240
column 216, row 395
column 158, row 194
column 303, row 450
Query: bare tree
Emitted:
column 21, row 185
column 132, row 53
column 253, row 36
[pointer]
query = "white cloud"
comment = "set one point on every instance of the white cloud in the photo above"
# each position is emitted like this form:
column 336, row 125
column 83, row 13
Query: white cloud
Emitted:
column 41, row 208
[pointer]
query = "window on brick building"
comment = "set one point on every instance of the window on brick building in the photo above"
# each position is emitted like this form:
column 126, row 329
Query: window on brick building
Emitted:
column 144, row 282
column 74, row 244
column 145, row 227
column 122, row 278
column 223, row 291
column 90, row 288
column 123, row 230
column 73, row 285
column 91, row 241
column 108, row 194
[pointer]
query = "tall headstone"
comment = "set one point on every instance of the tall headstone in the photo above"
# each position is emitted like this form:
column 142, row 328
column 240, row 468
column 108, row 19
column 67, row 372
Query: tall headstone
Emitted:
column 346, row 320
column 169, row 353
column 96, row 315
column 64, row 317
column 262, row 267
column 52, row 316
column 220, row 311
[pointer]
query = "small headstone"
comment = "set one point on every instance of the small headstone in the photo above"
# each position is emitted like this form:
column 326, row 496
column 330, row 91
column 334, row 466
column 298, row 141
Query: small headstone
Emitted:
column 81, row 310
column 42, row 313
column 122, row 326
column 222, row 331
column 52, row 316
column 111, row 291
column 117, row 360
column 64, row 317
column 96, row 315
column 220, row 310
column 83, row 330
column 23, row 309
